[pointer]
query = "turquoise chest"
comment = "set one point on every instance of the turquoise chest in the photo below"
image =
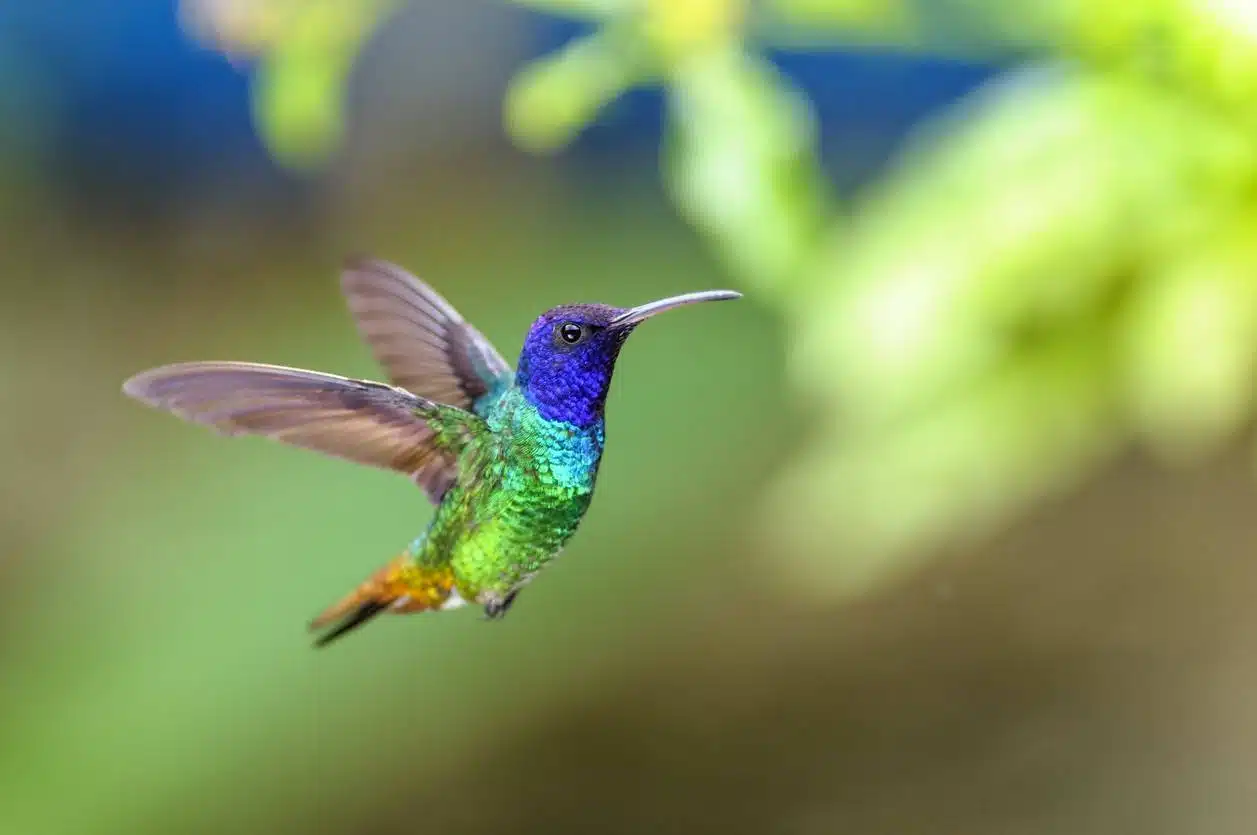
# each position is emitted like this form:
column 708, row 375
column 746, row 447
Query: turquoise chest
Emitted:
column 530, row 486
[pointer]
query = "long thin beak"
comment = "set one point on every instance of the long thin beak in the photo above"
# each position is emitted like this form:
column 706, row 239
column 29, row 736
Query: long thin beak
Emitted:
column 642, row 312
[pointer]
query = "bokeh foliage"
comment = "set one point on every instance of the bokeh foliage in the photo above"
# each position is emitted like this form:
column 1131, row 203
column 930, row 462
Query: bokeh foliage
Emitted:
column 1060, row 266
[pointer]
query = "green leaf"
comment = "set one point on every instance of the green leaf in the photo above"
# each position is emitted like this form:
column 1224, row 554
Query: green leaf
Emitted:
column 1026, row 210
column 742, row 166
column 857, row 510
column 1190, row 347
column 299, row 95
column 555, row 97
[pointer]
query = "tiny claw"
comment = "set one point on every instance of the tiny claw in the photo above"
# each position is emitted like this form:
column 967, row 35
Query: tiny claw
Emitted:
column 496, row 610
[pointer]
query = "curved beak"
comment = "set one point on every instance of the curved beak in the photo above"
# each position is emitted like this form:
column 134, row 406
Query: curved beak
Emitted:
column 636, row 315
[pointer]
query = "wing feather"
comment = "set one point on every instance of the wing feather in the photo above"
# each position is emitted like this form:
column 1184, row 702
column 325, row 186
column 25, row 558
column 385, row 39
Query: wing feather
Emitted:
column 368, row 423
column 418, row 337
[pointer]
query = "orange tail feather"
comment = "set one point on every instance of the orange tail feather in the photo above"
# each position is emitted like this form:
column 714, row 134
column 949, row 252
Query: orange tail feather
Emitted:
column 400, row 586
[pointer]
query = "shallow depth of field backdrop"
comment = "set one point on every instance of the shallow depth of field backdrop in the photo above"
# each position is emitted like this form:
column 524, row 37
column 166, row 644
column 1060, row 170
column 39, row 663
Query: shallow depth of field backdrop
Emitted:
column 948, row 527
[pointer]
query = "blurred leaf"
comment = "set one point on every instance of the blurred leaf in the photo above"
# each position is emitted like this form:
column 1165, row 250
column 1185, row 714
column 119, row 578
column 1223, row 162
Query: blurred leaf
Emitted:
column 1029, row 207
column 553, row 98
column 858, row 509
column 681, row 29
column 299, row 102
column 1204, row 47
column 742, row 165
column 1056, row 228
column 1191, row 347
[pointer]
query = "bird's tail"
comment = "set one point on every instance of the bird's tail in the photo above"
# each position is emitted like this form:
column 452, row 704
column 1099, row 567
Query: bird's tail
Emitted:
column 401, row 586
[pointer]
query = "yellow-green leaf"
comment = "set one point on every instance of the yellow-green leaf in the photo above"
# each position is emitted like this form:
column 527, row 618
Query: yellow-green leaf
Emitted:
column 742, row 165
column 555, row 97
column 1190, row 346
column 299, row 96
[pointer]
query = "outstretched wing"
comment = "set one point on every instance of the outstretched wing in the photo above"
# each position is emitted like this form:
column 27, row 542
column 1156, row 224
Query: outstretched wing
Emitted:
column 360, row 421
column 418, row 337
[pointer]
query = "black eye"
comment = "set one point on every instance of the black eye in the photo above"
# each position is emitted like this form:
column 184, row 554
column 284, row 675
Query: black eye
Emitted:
column 571, row 333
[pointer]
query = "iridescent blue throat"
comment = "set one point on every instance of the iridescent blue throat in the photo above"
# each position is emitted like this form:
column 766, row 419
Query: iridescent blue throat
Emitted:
column 571, row 388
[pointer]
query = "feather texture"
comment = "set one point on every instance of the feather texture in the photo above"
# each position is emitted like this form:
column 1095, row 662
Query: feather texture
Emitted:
column 360, row 421
column 418, row 337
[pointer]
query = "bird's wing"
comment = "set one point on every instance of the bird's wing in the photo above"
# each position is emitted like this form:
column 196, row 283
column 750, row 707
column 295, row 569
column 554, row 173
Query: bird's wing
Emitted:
column 419, row 338
column 364, row 422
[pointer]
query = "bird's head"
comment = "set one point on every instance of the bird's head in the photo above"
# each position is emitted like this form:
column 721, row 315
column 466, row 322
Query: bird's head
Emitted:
column 569, row 356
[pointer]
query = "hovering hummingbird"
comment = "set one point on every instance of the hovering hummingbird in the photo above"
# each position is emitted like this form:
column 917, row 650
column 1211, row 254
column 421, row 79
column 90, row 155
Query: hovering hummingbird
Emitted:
column 508, row 458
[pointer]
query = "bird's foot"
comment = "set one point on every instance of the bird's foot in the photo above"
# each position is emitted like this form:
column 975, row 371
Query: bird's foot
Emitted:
column 496, row 609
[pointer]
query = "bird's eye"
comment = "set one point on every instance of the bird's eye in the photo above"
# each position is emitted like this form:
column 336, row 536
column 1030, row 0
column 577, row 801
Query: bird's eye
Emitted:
column 571, row 333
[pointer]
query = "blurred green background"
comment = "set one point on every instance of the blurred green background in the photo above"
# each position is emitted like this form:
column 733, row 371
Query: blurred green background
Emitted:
column 946, row 528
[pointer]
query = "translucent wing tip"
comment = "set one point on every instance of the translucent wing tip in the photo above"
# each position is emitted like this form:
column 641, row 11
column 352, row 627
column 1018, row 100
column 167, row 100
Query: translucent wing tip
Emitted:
column 356, row 261
column 146, row 386
column 357, row 266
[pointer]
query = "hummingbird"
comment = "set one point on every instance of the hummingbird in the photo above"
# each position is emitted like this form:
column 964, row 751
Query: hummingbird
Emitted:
column 508, row 457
